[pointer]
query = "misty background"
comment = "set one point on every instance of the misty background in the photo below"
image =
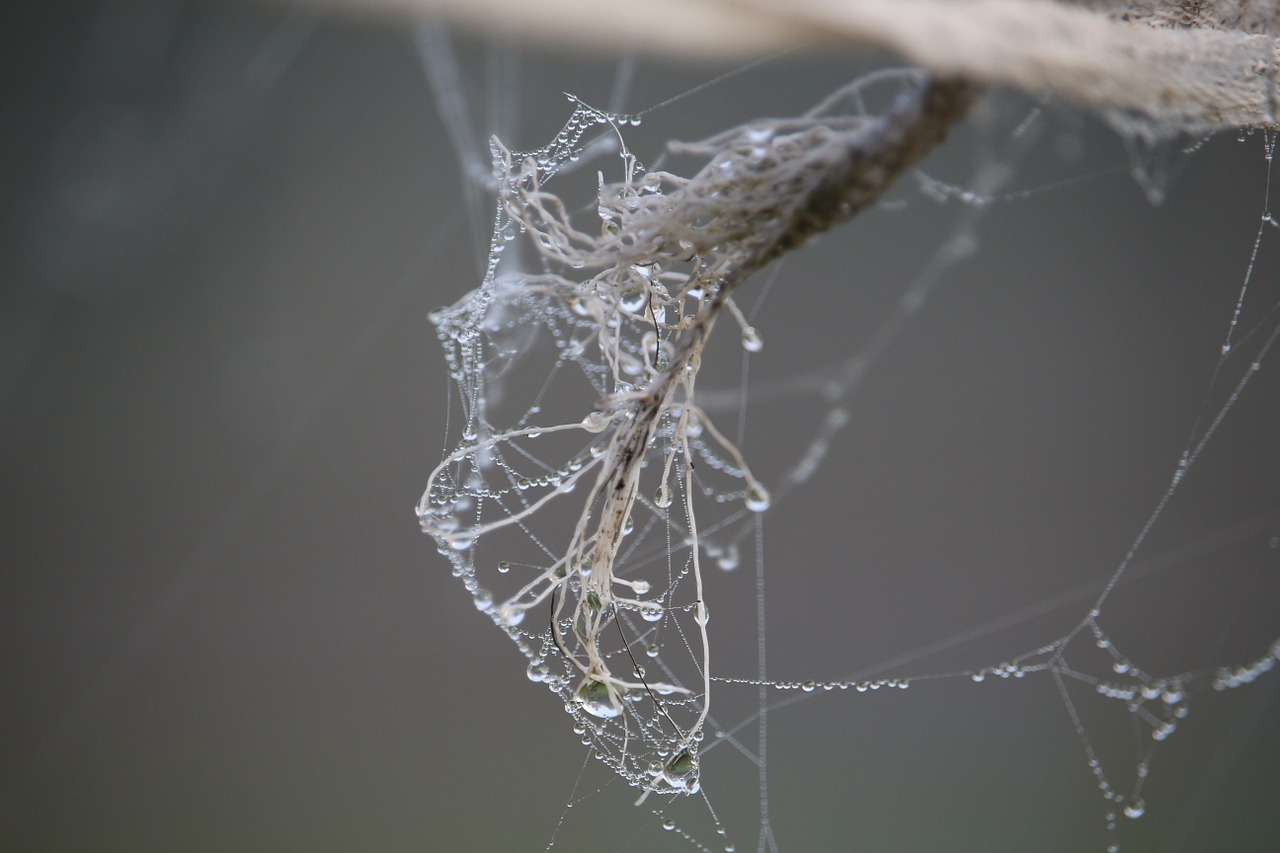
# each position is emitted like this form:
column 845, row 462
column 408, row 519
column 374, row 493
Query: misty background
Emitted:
column 224, row 225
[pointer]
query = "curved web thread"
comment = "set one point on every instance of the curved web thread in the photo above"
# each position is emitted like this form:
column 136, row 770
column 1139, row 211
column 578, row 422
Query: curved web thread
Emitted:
column 615, row 624
column 1156, row 703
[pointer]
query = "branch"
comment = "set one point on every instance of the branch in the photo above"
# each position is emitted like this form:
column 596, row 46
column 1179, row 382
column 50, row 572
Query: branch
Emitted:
column 1151, row 64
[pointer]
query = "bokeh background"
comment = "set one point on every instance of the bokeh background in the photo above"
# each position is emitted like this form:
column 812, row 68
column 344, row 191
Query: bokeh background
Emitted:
column 224, row 225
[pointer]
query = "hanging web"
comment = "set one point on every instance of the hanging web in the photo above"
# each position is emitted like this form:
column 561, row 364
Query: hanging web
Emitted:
column 597, row 488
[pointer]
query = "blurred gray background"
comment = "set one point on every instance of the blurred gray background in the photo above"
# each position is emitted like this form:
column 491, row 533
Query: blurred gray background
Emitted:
column 220, row 628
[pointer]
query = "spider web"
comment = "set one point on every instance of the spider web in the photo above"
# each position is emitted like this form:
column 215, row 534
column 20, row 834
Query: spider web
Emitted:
column 1111, row 635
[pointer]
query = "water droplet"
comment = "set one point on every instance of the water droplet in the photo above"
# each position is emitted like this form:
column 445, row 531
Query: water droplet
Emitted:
column 662, row 497
column 537, row 672
column 668, row 824
column 729, row 558
column 1135, row 808
column 597, row 699
column 511, row 616
column 628, row 526
column 640, row 587
column 595, row 422
column 635, row 299
column 652, row 650
column 1121, row 666
column 757, row 498
column 682, row 770
column 751, row 340
column 651, row 613
column 483, row 599
column 504, row 567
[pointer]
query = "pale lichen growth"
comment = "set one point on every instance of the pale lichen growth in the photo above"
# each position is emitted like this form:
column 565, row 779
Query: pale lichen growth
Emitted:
column 640, row 292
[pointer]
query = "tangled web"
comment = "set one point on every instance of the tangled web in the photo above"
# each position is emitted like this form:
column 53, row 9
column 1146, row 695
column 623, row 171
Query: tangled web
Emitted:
column 614, row 302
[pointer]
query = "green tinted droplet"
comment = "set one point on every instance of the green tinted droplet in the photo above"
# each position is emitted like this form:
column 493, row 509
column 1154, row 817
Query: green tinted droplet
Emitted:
column 681, row 772
column 635, row 299
column 680, row 767
column 757, row 499
column 1135, row 808
column 729, row 558
column 597, row 699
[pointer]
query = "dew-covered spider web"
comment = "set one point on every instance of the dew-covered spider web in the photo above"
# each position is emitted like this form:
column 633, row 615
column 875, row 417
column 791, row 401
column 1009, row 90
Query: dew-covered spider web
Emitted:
column 943, row 531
